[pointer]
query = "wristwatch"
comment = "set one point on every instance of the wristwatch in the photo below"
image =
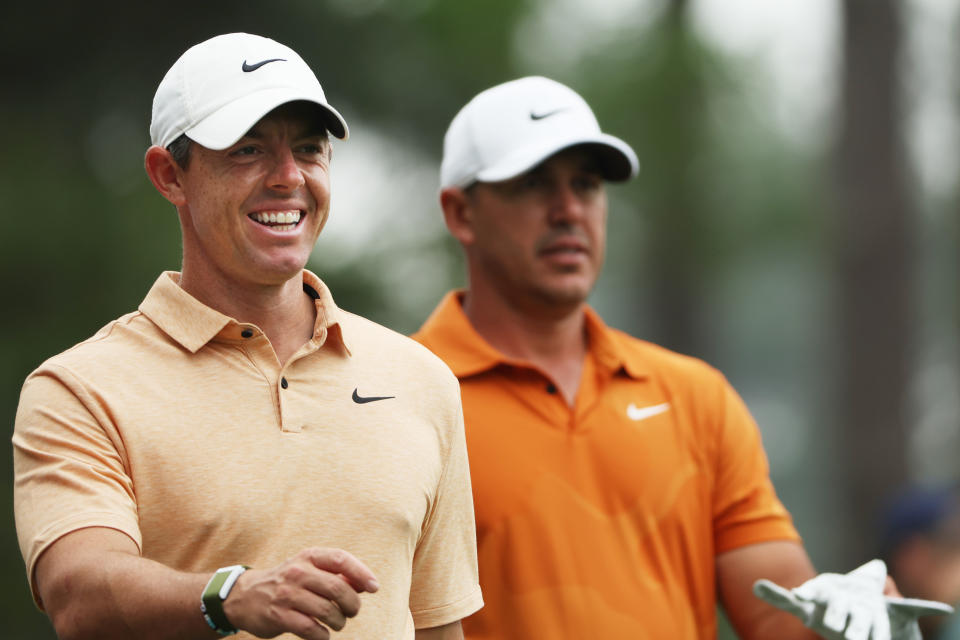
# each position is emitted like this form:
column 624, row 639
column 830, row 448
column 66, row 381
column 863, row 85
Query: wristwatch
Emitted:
column 216, row 591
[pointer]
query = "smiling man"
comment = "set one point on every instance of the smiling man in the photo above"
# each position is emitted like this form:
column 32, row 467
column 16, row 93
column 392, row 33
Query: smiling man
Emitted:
column 621, row 490
column 239, row 454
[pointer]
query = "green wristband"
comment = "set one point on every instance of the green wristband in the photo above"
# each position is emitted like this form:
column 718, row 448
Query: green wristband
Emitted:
column 216, row 591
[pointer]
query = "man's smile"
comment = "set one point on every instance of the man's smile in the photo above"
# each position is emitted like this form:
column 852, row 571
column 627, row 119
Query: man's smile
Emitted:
column 566, row 244
column 277, row 220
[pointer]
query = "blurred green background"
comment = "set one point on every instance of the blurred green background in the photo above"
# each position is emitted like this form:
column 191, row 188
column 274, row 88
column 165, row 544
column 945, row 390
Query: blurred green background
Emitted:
column 795, row 222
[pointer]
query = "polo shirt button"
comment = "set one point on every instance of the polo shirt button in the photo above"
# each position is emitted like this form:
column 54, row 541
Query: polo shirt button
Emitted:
column 550, row 388
column 283, row 383
column 247, row 333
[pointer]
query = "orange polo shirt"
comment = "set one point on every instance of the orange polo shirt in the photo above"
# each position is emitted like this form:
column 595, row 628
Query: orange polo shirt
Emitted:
column 602, row 520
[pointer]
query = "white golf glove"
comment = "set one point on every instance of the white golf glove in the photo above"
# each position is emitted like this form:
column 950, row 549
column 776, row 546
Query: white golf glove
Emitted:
column 851, row 606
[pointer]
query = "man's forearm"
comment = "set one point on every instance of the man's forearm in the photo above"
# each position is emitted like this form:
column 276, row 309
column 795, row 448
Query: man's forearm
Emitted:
column 94, row 584
column 103, row 595
column 777, row 624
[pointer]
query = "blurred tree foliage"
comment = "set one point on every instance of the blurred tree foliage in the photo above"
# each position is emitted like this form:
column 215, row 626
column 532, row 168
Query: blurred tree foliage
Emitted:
column 85, row 234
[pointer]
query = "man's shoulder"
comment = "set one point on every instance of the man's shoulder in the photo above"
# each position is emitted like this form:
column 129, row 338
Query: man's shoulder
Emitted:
column 117, row 343
column 366, row 334
column 447, row 319
column 654, row 353
column 661, row 362
column 367, row 339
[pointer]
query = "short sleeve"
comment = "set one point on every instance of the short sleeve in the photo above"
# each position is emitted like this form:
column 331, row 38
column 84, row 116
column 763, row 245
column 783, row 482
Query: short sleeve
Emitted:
column 746, row 509
column 69, row 472
column 445, row 585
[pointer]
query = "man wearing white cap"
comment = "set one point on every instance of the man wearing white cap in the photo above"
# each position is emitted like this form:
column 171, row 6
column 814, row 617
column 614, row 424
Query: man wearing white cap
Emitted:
column 621, row 490
column 239, row 454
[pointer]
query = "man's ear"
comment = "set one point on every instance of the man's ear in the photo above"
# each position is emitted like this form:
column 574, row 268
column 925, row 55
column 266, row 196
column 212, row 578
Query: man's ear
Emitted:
column 165, row 174
column 458, row 214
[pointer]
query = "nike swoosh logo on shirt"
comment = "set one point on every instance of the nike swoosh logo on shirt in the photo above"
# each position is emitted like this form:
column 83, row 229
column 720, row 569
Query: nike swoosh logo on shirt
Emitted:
column 365, row 399
column 637, row 414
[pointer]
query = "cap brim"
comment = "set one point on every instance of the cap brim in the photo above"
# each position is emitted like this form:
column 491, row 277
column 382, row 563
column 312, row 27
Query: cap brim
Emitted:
column 228, row 124
column 618, row 161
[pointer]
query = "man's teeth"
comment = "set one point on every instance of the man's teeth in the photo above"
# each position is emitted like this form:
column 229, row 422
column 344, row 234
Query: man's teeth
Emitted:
column 286, row 219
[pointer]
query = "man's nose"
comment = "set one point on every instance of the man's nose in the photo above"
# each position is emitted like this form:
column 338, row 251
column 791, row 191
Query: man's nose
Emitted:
column 566, row 204
column 285, row 174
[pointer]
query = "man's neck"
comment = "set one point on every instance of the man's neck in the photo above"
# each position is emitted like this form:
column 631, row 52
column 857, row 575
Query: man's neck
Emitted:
column 553, row 339
column 284, row 312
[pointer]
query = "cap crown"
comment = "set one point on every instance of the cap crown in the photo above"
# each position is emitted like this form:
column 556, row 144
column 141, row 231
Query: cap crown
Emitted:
column 511, row 127
column 220, row 88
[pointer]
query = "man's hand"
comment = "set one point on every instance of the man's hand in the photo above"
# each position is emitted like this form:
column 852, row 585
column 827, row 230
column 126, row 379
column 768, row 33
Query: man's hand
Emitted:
column 851, row 606
column 312, row 592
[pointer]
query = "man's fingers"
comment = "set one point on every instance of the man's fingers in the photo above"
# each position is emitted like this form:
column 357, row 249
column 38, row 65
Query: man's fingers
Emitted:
column 305, row 626
column 890, row 588
column 310, row 594
column 319, row 602
column 336, row 590
column 338, row 561
column 325, row 611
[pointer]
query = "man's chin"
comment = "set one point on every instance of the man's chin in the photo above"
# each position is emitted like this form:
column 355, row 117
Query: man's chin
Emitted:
column 564, row 295
column 277, row 274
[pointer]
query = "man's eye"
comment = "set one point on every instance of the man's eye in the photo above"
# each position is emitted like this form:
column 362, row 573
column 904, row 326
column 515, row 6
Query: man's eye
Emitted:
column 310, row 148
column 244, row 151
column 588, row 183
column 531, row 181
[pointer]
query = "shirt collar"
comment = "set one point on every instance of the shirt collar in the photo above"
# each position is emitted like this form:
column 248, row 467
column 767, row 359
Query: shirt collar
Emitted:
column 193, row 324
column 614, row 350
column 450, row 335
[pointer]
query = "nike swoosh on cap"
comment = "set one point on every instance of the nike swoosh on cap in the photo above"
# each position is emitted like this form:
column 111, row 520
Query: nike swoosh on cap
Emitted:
column 637, row 414
column 545, row 114
column 365, row 399
column 253, row 67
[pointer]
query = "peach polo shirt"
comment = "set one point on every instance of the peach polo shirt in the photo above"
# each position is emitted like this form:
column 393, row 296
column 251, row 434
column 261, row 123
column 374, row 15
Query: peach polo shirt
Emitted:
column 178, row 426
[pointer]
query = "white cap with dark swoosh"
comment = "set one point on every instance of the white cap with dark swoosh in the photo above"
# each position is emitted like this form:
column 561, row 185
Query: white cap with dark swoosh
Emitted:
column 218, row 89
column 514, row 126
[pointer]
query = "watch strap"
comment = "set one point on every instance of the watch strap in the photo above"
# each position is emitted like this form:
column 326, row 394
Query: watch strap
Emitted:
column 216, row 591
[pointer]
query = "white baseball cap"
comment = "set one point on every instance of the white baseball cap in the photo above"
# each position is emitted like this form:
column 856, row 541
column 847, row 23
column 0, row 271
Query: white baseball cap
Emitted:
column 515, row 126
column 218, row 89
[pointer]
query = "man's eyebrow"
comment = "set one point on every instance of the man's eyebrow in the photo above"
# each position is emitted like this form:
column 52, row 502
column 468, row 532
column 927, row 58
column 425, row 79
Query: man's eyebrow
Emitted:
column 591, row 165
column 320, row 128
column 252, row 133
column 311, row 129
column 315, row 132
